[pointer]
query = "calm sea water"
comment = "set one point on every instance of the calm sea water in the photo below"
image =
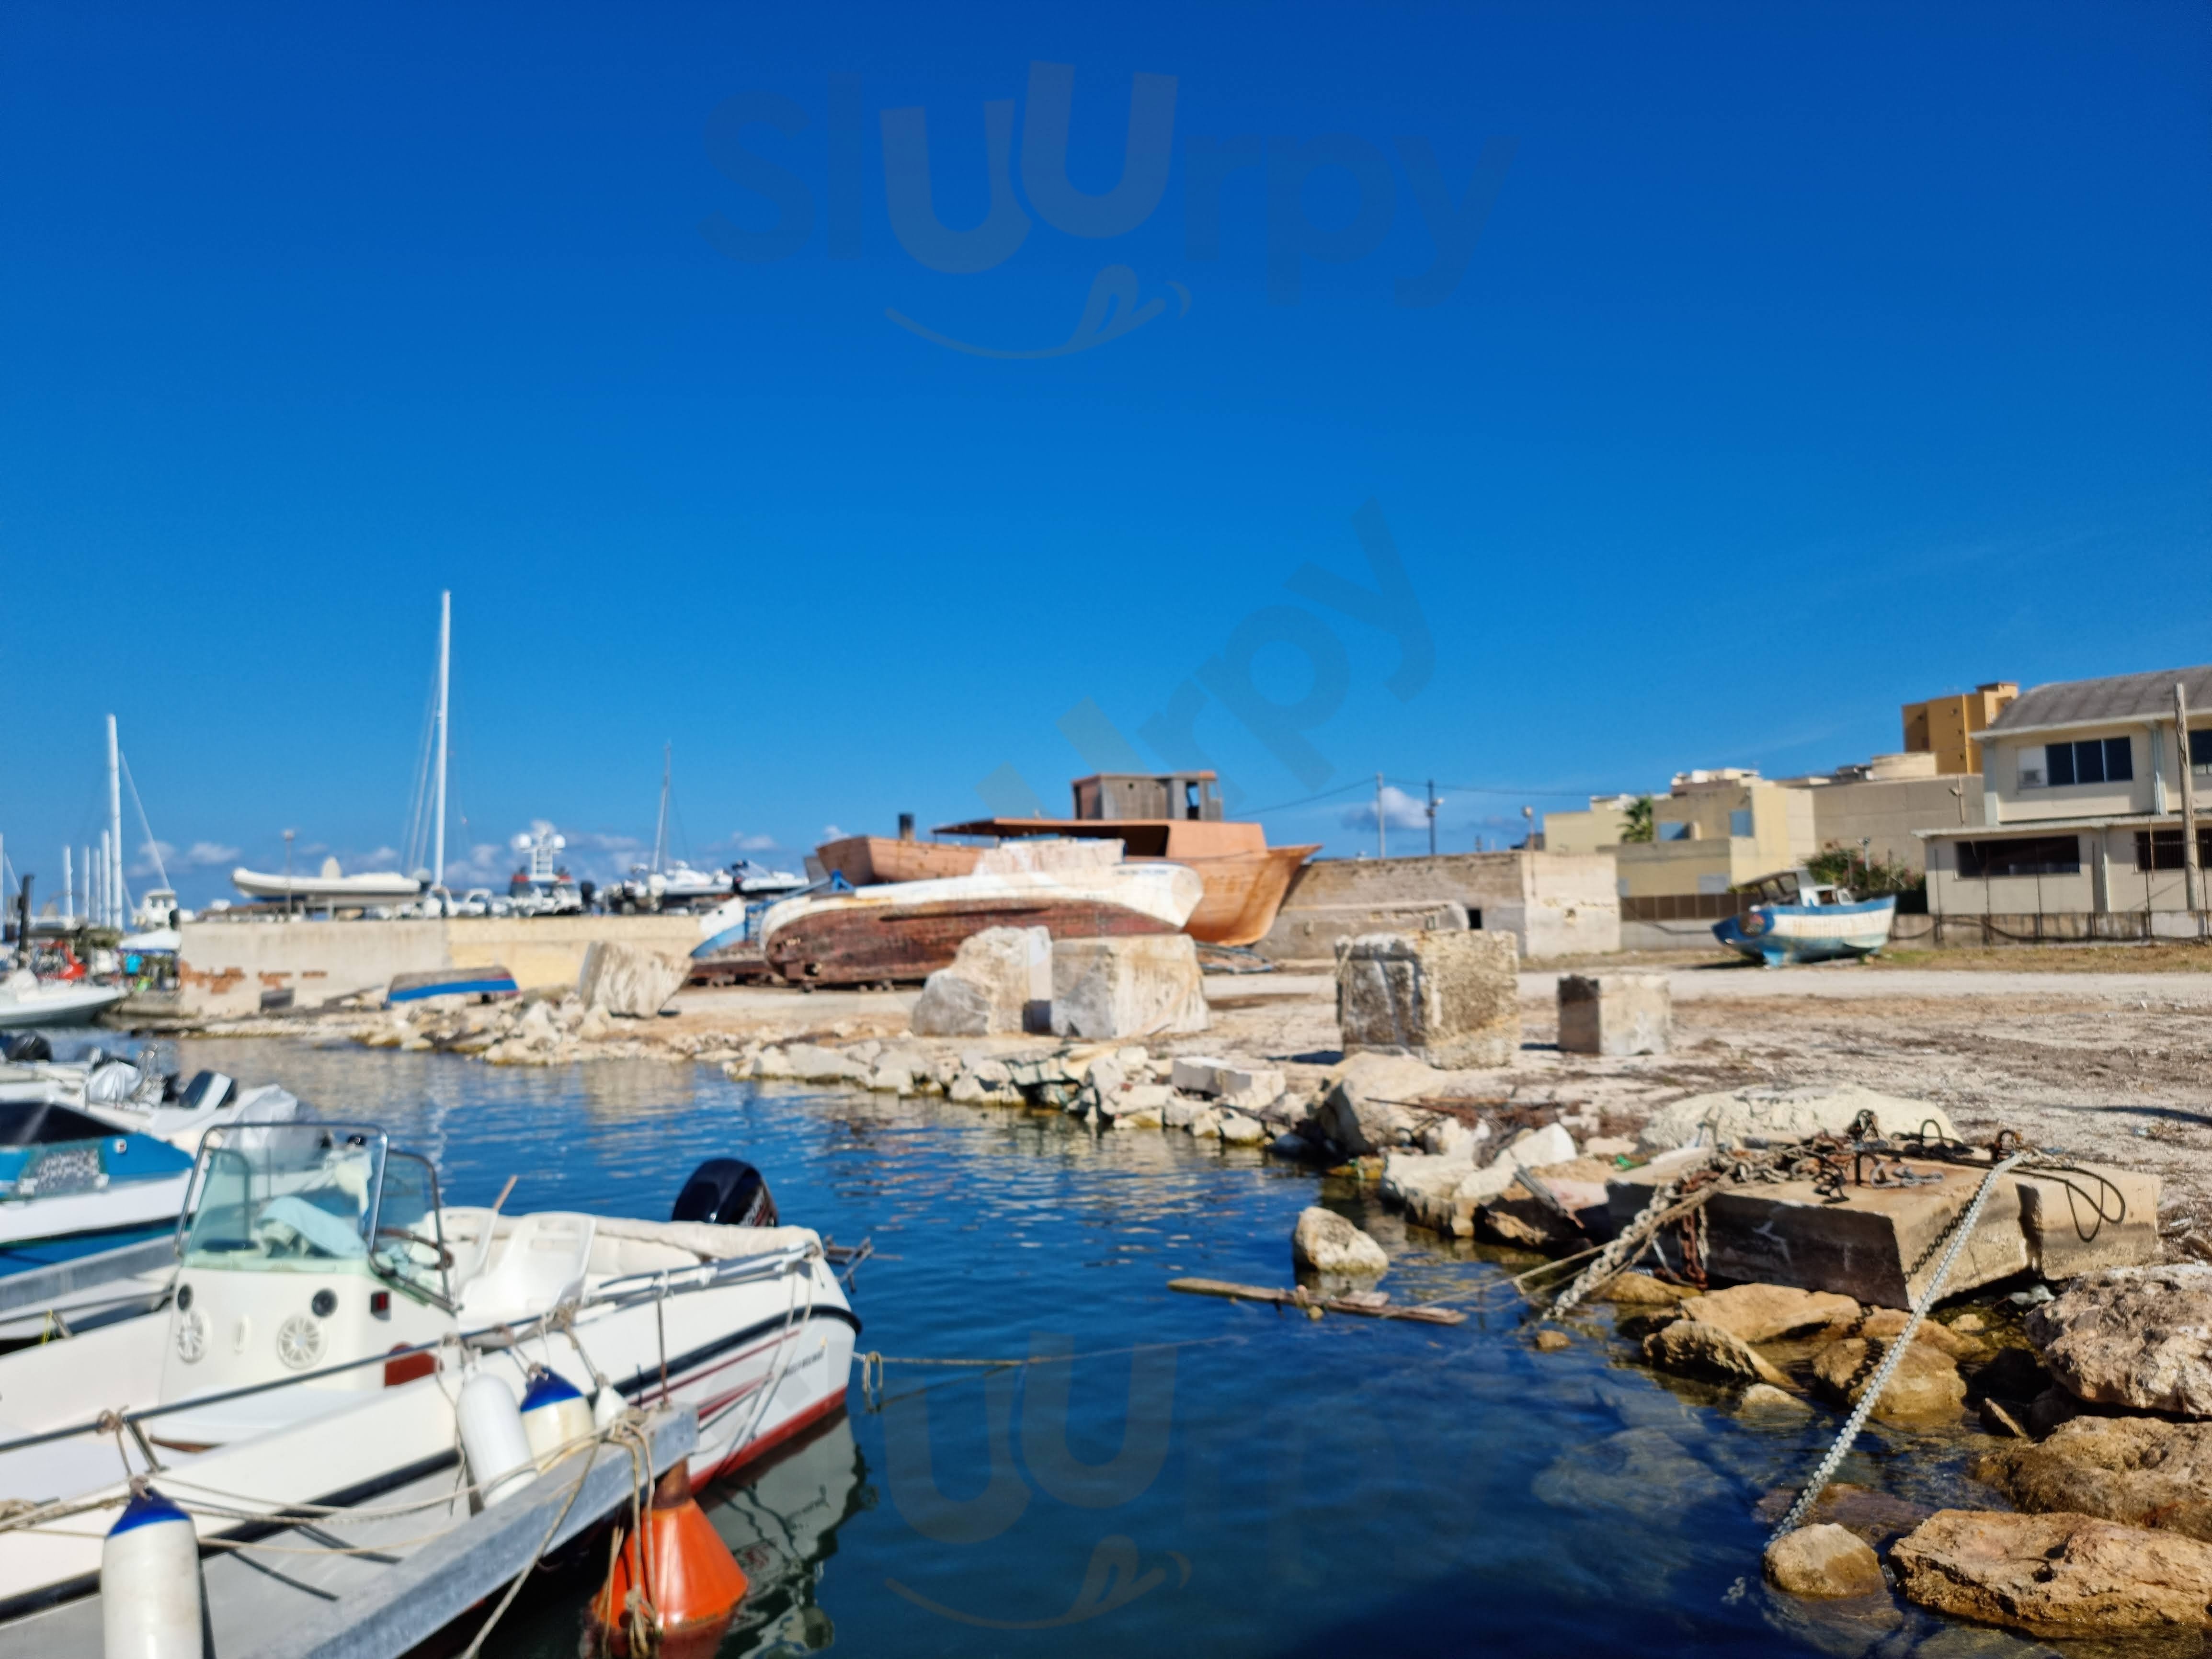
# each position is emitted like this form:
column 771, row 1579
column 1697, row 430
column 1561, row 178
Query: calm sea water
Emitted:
column 1200, row 1476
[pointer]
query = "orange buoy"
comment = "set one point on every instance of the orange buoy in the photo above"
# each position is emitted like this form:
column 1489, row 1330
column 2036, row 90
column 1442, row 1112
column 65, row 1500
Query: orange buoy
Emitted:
column 686, row 1587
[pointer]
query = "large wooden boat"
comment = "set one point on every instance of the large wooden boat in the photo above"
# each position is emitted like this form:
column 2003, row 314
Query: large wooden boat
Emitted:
column 871, row 860
column 908, row 930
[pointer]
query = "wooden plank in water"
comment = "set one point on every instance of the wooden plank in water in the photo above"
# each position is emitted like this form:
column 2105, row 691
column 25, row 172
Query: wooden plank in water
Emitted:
column 1303, row 1298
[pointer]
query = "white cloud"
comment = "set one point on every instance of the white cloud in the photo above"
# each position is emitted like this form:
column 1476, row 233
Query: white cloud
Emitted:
column 831, row 832
column 208, row 855
column 382, row 858
column 746, row 843
column 1400, row 811
column 148, row 852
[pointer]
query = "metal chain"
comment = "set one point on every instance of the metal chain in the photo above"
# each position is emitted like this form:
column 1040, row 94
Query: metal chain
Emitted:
column 1959, row 1232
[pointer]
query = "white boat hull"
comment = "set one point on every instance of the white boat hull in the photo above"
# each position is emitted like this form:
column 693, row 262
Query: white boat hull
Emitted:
column 56, row 1003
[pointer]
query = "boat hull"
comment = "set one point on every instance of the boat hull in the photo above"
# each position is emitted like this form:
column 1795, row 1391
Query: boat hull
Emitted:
column 1244, row 892
column 1780, row 934
column 872, row 860
column 57, row 1004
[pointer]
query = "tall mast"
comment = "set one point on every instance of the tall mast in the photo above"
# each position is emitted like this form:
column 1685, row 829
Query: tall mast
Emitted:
column 118, row 895
column 445, row 664
column 660, row 827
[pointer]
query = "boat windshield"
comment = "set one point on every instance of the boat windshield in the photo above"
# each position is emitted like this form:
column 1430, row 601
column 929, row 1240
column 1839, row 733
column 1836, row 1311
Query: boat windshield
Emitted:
column 277, row 1195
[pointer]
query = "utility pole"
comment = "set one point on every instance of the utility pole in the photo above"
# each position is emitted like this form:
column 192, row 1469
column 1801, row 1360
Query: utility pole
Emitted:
column 444, row 664
column 1432, row 817
column 287, row 875
column 1382, row 842
column 2192, row 874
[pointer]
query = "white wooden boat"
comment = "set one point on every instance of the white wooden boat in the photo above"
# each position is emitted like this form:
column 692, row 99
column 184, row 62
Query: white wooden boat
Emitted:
column 1802, row 921
column 325, row 1311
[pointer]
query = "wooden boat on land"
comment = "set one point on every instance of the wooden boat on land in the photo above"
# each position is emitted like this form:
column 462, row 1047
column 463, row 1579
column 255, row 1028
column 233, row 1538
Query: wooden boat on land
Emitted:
column 871, row 860
column 1802, row 922
column 908, row 930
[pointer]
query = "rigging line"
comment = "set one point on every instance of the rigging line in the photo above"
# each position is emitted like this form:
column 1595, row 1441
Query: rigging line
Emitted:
column 1490, row 789
column 1283, row 807
column 152, row 845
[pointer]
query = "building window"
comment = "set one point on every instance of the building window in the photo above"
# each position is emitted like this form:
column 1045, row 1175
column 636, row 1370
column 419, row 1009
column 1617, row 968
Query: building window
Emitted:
column 1740, row 821
column 2200, row 749
column 2027, row 856
column 1674, row 831
column 2094, row 759
column 2160, row 849
column 2031, row 774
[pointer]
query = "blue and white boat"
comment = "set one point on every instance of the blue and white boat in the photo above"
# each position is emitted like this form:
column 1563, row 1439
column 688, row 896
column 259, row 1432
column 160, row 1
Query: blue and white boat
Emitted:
column 1799, row 919
column 72, row 1186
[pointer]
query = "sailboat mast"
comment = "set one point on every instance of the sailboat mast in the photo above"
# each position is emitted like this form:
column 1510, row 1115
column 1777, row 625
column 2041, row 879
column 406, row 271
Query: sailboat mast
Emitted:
column 660, row 827
column 445, row 666
column 118, row 895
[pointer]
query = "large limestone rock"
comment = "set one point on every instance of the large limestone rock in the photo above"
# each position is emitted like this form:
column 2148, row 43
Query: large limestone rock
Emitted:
column 1826, row 1562
column 1762, row 1313
column 997, row 985
column 1615, row 1014
column 627, row 979
column 1925, row 1386
column 2091, row 1217
column 1451, row 999
column 2056, row 1575
column 1769, row 1116
column 2137, row 1337
column 1140, row 985
column 1697, row 1350
column 1443, row 1191
column 1326, row 1243
column 2145, row 1471
column 1368, row 1108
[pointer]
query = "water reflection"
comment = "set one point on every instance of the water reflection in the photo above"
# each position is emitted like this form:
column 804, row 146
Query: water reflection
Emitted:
column 782, row 1523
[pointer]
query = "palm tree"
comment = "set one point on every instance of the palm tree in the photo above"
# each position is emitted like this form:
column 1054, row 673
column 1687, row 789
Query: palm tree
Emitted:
column 1638, row 826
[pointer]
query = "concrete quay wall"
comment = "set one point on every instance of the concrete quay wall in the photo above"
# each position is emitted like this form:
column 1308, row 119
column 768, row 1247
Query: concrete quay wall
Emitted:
column 1552, row 903
column 226, row 967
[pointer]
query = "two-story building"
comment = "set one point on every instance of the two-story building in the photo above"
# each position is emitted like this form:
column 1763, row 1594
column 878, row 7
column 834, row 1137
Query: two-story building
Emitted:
column 1712, row 832
column 2081, row 807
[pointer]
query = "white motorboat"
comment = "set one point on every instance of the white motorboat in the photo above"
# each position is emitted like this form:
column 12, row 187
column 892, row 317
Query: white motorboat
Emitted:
column 28, row 1000
column 327, row 1309
column 330, row 887
column 73, row 1185
column 138, row 1096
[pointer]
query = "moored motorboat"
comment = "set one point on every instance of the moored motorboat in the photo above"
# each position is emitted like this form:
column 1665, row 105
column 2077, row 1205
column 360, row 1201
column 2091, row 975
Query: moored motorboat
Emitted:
column 1801, row 921
column 908, row 930
column 327, row 1310
column 27, row 1001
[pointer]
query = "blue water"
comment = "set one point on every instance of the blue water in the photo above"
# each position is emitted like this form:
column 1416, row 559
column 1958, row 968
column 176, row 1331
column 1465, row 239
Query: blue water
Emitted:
column 1250, row 1482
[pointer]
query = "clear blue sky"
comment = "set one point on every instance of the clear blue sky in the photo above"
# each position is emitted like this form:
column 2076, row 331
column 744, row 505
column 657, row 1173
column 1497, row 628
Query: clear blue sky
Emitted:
column 1810, row 360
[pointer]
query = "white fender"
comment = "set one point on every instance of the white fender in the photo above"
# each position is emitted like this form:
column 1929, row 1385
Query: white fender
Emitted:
column 149, row 1582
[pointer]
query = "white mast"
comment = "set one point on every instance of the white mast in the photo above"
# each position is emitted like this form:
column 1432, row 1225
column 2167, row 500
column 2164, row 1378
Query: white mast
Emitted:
column 444, row 664
column 119, row 896
column 661, row 828
column 107, row 880
column 68, row 891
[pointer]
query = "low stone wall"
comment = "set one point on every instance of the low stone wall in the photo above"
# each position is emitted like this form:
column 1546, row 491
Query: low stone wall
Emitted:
column 225, row 968
column 1552, row 903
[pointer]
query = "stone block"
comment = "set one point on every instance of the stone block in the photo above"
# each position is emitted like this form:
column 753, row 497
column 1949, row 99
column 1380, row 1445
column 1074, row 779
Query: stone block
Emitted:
column 1450, row 999
column 1136, row 984
column 1615, row 1014
column 1768, row 1116
column 1785, row 1233
column 999, row 981
column 627, row 979
column 2085, row 1223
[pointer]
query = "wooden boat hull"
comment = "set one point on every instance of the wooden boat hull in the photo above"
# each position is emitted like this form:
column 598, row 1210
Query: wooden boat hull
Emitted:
column 1244, row 891
column 908, row 931
column 872, row 860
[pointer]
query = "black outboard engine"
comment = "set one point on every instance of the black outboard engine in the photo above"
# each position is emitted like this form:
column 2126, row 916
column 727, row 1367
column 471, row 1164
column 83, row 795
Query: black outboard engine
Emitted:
column 207, row 1090
column 26, row 1048
column 727, row 1191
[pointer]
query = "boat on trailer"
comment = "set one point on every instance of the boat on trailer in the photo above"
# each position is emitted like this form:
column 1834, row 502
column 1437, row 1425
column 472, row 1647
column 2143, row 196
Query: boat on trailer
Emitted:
column 1799, row 919
column 325, row 1310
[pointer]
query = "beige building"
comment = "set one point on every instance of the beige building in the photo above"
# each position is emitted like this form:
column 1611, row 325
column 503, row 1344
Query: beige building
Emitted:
column 1880, row 807
column 1712, row 832
column 2081, row 802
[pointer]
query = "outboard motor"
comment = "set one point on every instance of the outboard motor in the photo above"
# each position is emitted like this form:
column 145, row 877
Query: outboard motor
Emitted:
column 26, row 1048
column 206, row 1091
column 727, row 1191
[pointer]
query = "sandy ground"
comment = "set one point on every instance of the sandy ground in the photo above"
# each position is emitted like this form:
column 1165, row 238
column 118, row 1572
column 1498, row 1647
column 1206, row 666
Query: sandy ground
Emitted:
column 2111, row 1065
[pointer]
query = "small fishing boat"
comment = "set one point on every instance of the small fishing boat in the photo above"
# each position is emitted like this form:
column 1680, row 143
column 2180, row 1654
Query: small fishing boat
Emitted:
column 1799, row 919
column 871, row 860
column 330, row 1320
column 484, row 983
column 908, row 930
column 27, row 1001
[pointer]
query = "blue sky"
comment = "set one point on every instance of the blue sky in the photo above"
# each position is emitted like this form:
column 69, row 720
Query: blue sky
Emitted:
column 1810, row 360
